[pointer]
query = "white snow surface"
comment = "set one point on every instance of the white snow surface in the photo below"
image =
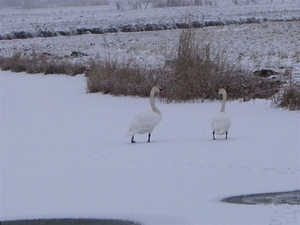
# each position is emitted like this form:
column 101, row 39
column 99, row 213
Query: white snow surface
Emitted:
column 64, row 153
column 92, row 16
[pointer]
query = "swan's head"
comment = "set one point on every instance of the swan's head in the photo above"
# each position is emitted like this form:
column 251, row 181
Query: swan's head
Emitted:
column 156, row 89
column 222, row 92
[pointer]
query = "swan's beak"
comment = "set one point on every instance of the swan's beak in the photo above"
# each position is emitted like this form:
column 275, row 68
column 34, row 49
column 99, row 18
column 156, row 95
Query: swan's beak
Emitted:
column 161, row 92
column 218, row 96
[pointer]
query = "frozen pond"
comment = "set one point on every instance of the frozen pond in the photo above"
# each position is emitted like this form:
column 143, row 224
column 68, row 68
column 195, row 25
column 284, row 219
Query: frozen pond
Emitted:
column 277, row 198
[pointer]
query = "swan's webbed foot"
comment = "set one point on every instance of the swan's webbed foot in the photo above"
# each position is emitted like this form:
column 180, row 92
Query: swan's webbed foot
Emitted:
column 132, row 141
column 149, row 136
column 214, row 136
column 226, row 134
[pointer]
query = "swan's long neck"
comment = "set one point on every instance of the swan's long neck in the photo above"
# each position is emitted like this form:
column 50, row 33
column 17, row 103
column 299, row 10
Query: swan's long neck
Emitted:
column 153, row 106
column 223, row 102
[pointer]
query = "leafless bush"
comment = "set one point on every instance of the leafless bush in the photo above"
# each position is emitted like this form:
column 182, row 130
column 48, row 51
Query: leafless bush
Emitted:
column 198, row 72
column 125, row 78
column 289, row 98
column 39, row 63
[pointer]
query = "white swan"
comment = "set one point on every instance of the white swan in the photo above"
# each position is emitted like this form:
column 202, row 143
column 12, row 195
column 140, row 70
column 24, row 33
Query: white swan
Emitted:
column 221, row 121
column 146, row 121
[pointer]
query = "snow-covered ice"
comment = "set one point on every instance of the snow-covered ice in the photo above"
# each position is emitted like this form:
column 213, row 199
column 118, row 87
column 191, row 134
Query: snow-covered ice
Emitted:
column 64, row 153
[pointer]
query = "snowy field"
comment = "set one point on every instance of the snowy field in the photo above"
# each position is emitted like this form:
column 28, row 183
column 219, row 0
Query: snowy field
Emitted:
column 64, row 153
column 95, row 16
column 266, row 45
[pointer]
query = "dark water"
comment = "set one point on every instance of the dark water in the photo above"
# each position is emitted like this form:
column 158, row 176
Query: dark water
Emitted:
column 276, row 198
column 70, row 222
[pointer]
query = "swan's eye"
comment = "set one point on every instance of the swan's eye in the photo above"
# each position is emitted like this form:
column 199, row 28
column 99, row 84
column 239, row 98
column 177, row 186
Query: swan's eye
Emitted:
column 160, row 89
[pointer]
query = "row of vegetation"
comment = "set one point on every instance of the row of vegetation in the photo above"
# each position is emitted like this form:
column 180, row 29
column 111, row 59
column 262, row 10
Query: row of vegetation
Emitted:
column 31, row 4
column 195, row 73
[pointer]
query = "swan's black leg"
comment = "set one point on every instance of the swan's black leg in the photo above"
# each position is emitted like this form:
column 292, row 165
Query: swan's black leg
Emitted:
column 226, row 134
column 149, row 135
column 214, row 136
column 132, row 141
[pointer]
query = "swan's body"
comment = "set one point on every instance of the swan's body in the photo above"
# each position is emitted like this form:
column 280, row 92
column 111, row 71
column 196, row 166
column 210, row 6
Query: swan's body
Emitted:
column 146, row 121
column 221, row 121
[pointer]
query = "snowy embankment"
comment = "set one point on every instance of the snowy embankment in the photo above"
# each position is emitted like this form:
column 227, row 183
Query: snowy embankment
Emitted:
column 49, row 22
column 64, row 154
column 266, row 45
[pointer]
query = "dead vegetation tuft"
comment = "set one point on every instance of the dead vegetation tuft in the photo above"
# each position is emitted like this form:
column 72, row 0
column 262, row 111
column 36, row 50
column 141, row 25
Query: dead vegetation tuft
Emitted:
column 121, row 78
column 40, row 63
column 289, row 98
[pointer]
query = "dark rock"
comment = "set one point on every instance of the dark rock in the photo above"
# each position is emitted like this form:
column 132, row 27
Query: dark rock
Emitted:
column 78, row 54
column 46, row 53
column 264, row 72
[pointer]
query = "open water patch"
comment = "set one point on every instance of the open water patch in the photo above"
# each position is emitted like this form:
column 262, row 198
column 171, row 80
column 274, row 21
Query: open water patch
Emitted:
column 70, row 222
column 275, row 198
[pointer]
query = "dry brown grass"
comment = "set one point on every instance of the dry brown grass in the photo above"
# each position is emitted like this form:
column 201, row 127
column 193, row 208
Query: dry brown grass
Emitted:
column 125, row 78
column 289, row 98
column 199, row 69
column 39, row 63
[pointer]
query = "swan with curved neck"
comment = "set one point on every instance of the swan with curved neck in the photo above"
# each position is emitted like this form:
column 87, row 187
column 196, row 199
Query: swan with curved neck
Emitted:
column 146, row 121
column 221, row 121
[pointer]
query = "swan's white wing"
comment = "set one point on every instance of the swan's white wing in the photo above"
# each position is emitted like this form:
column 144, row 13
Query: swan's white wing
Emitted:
column 144, row 122
column 221, row 123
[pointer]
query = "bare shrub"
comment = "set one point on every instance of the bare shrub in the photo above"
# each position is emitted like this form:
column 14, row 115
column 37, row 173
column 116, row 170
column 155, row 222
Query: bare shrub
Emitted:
column 289, row 98
column 8, row 63
column 125, row 78
column 40, row 63
column 198, row 73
